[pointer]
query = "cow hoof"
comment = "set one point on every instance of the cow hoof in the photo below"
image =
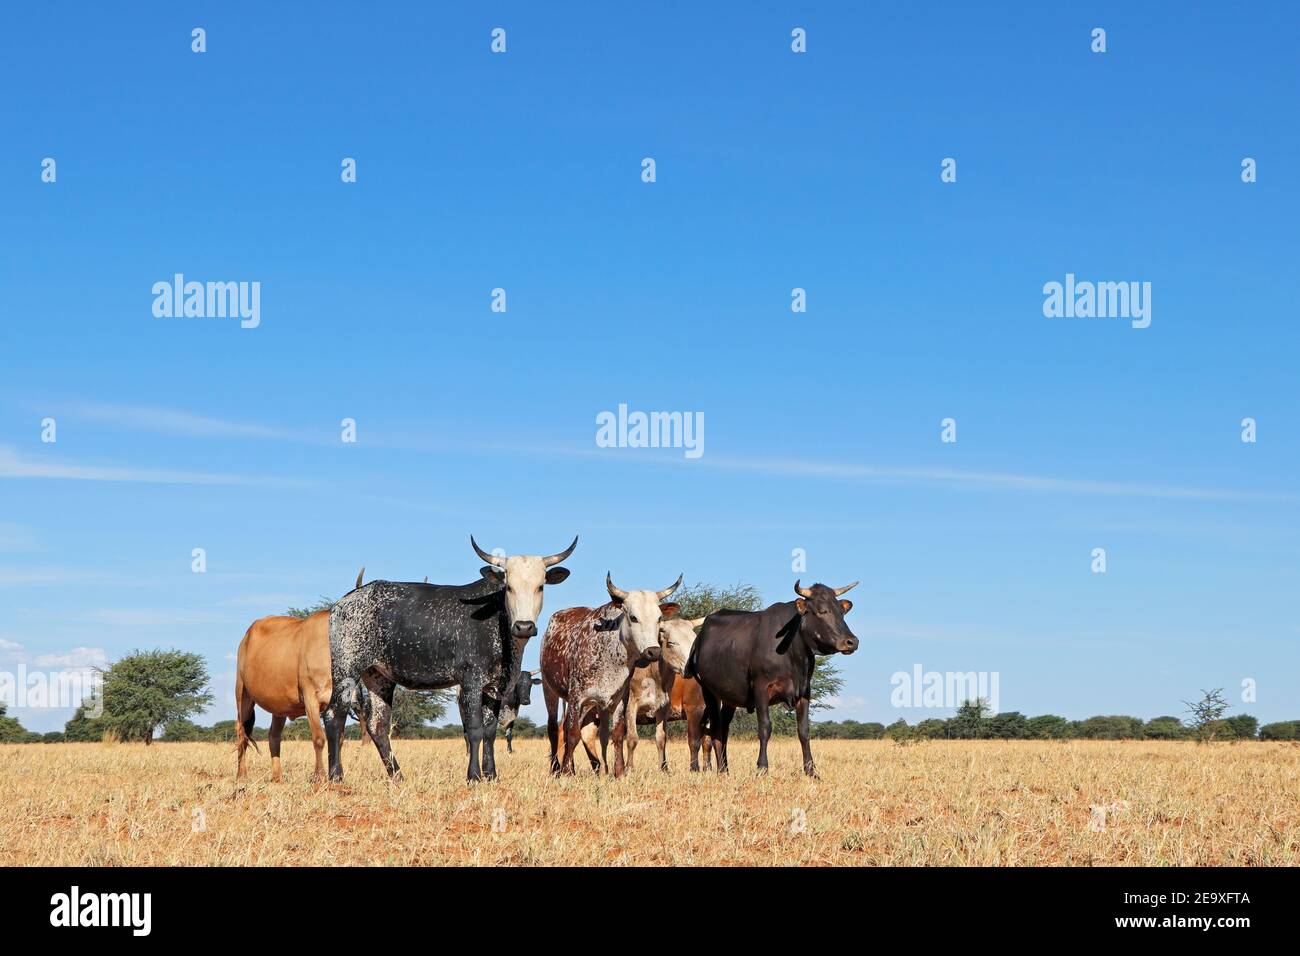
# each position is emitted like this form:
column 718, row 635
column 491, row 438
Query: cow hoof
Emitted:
column 812, row 773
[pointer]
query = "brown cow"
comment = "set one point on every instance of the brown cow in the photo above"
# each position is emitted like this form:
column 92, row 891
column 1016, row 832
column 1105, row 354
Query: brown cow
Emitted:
column 660, row 694
column 283, row 666
column 588, row 655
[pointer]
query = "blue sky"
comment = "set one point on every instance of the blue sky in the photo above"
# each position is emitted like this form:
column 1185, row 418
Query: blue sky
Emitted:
column 774, row 171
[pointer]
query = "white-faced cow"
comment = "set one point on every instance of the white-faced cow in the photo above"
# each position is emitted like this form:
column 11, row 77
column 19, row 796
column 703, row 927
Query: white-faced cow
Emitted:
column 658, row 693
column 432, row 636
column 520, row 695
column 588, row 655
column 754, row 659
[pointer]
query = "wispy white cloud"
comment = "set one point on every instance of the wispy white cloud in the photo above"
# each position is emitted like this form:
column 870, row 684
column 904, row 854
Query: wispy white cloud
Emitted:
column 23, row 577
column 78, row 657
column 955, row 478
column 172, row 421
column 14, row 465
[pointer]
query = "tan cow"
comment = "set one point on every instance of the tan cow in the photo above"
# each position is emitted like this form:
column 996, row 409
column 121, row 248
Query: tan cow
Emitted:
column 283, row 666
column 658, row 693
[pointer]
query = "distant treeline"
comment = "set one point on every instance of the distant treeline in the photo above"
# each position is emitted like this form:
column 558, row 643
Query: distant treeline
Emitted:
column 1008, row 726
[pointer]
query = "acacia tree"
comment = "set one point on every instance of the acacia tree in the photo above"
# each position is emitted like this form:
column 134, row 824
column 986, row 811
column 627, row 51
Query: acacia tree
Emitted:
column 1206, row 714
column 146, row 689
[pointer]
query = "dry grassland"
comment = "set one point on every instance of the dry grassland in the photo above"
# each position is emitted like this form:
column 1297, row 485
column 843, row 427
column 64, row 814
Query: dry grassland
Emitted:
column 940, row 802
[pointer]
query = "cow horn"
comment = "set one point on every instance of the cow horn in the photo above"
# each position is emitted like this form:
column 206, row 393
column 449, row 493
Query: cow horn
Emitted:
column 534, row 673
column 616, row 593
column 491, row 559
column 360, row 574
column 555, row 559
column 663, row 595
column 847, row 587
column 697, row 622
column 802, row 592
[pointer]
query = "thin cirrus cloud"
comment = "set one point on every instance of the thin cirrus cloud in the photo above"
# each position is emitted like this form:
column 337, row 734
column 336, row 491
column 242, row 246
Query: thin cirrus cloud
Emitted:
column 14, row 465
column 170, row 421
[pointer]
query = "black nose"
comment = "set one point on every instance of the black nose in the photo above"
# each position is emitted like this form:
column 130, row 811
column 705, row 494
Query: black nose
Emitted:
column 652, row 653
column 849, row 645
column 523, row 629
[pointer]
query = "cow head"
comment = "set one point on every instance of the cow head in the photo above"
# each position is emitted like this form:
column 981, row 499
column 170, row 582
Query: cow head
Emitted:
column 524, row 687
column 523, row 575
column 822, row 614
column 638, row 628
column 676, row 636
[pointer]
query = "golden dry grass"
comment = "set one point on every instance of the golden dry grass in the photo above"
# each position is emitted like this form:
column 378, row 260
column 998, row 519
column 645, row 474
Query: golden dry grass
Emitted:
column 941, row 802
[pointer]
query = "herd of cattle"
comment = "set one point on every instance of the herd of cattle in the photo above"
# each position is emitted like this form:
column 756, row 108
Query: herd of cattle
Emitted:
column 631, row 661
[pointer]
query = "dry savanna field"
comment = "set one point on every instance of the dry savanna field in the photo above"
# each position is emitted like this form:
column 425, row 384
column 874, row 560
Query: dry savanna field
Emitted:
column 938, row 802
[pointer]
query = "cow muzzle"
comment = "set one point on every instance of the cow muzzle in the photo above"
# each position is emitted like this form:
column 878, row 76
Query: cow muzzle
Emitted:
column 523, row 629
column 848, row 645
column 648, row 656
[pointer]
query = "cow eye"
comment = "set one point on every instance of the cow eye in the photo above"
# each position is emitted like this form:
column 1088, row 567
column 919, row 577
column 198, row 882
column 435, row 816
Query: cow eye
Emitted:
column 633, row 619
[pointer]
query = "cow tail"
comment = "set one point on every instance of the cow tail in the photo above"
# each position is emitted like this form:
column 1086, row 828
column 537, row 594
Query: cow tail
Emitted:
column 243, row 728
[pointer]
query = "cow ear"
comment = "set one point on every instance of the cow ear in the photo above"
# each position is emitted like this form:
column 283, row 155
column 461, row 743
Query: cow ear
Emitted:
column 846, row 604
column 556, row 575
column 800, row 605
column 491, row 573
column 669, row 610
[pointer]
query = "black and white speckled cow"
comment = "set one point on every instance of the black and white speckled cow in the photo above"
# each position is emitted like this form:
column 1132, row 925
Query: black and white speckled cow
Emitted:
column 433, row 636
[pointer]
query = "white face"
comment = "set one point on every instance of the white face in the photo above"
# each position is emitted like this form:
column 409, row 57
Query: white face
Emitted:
column 525, row 579
column 639, row 627
column 676, row 637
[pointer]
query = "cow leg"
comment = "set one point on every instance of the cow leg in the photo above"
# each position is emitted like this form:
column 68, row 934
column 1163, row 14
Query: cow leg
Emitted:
column 470, row 701
column 693, row 719
column 720, row 733
column 570, row 738
column 620, row 734
column 312, row 706
column 632, row 740
column 491, row 712
column 801, row 712
column 244, row 720
column 594, row 737
column 661, row 738
column 706, row 742
column 510, row 738
column 273, row 744
column 552, row 725
column 762, row 711
column 377, row 715
column 335, row 716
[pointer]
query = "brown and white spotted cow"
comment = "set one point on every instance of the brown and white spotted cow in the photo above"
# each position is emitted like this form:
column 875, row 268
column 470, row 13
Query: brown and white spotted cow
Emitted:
column 588, row 655
column 659, row 694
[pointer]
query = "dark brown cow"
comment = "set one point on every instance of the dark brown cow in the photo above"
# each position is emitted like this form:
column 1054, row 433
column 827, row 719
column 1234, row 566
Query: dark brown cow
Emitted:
column 754, row 659
column 588, row 655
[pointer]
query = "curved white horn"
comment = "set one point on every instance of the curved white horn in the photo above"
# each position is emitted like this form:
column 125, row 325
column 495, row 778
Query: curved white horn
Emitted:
column 802, row 592
column 617, row 593
column 664, row 594
column 555, row 559
column 847, row 587
column 491, row 559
